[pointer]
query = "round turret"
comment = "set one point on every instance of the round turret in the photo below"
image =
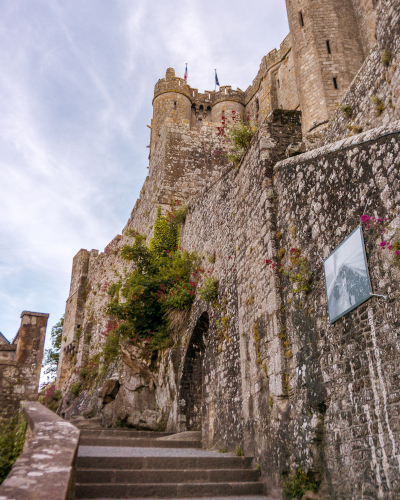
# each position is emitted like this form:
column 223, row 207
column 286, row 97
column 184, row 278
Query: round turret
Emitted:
column 171, row 100
column 225, row 101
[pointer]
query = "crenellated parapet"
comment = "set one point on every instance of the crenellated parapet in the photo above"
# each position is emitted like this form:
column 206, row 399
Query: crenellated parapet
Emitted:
column 226, row 93
column 175, row 84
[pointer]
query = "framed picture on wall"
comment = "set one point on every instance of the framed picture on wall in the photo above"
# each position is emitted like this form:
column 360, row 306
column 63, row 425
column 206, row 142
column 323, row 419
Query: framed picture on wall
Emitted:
column 346, row 276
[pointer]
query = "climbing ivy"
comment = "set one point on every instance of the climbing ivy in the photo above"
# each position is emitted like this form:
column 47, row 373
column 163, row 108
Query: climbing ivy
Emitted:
column 166, row 235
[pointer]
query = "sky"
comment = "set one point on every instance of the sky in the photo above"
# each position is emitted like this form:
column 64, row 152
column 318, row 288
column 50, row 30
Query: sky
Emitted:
column 76, row 85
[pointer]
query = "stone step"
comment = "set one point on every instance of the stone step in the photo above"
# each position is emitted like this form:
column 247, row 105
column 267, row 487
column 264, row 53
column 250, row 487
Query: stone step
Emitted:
column 167, row 490
column 134, row 442
column 234, row 497
column 124, row 433
column 162, row 462
column 166, row 476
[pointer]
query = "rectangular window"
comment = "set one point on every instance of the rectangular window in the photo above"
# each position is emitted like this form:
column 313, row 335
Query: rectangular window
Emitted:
column 335, row 83
column 301, row 19
column 328, row 47
column 175, row 105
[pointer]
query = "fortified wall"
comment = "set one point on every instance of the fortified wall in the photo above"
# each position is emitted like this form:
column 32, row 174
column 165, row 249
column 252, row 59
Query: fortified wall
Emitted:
column 280, row 380
column 21, row 361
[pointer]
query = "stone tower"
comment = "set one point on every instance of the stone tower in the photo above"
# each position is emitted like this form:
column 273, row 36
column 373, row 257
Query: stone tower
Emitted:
column 171, row 100
column 328, row 53
column 226, row 101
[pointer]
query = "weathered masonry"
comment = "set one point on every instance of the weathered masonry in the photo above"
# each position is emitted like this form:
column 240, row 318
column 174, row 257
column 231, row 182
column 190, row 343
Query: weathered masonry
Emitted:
column 21, row 361
column 282, row 382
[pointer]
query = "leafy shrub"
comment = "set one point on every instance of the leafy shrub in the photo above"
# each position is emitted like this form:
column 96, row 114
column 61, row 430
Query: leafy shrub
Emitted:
column 76, row 388
column 164, row 279
column 346, row 109
column 209, row 290
column 178, row 215
column 51, row 356
column 387, row 58
column 238, row 135
column 354, row 128
column 211, row 258
column 380, row 107
column 239, row 452
column 49, row 396
column 12, row 438
column 300, row 273
column 113, row 289
column 166, row 235
column 297, row 483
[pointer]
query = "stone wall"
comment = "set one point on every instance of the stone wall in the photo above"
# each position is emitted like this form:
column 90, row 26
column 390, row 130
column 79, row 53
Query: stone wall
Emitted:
column 275, row 85
column 327, row 54
column 46, row 469
column 373, row 98
column 20, row 361
column 315, row 395
column 280, row 381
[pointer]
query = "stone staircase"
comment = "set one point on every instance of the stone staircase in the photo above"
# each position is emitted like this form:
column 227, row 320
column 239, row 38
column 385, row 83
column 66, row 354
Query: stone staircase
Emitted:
column 138, row 464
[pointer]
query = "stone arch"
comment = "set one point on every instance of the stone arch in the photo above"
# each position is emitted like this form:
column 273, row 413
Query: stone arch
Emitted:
column 191, row 392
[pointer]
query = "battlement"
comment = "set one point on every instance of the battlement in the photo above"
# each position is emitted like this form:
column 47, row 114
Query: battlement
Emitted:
column 226, row 93
column 172, row 84
column 268, row 62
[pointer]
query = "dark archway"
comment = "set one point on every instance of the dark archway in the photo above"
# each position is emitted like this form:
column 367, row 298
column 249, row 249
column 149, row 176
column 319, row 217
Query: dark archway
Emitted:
column 191, row 387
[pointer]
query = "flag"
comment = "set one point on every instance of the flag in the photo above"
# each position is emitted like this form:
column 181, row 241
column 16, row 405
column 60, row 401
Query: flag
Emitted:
column 186, row 74
column 216, row 78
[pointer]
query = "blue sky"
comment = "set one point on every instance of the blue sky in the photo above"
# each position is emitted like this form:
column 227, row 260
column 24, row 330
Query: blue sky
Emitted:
column 77, row 80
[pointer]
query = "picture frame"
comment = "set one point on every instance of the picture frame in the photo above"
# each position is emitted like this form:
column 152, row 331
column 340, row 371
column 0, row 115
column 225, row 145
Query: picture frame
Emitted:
column 347, row 281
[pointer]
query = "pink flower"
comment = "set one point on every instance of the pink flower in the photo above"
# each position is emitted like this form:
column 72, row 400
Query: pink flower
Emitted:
column 383, row 244
column 216, row 152
column 390, row 247
column 229, row 257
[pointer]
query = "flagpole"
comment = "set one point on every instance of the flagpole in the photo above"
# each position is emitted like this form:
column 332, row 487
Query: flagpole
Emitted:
column 215, row 80
column 186, row 73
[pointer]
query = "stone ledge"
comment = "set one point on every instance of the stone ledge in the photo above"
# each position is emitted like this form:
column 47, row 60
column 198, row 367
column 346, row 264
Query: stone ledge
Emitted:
column 46, row 468
column 30, row 313
column 355, row 140
column 8, row 347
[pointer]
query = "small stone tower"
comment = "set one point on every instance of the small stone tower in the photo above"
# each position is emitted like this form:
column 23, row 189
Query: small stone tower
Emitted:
column 226, row 101
column 328, row 53
column 171, row 100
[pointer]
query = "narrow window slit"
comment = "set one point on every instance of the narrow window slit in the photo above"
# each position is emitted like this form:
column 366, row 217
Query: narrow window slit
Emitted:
column 328, row 47
column 335, row 83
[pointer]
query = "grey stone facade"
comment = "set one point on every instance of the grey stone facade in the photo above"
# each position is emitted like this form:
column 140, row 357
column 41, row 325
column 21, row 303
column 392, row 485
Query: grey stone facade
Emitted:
column 282, row 382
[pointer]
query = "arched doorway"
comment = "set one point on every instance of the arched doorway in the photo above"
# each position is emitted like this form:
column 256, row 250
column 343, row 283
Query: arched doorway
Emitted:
column 191, row 386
